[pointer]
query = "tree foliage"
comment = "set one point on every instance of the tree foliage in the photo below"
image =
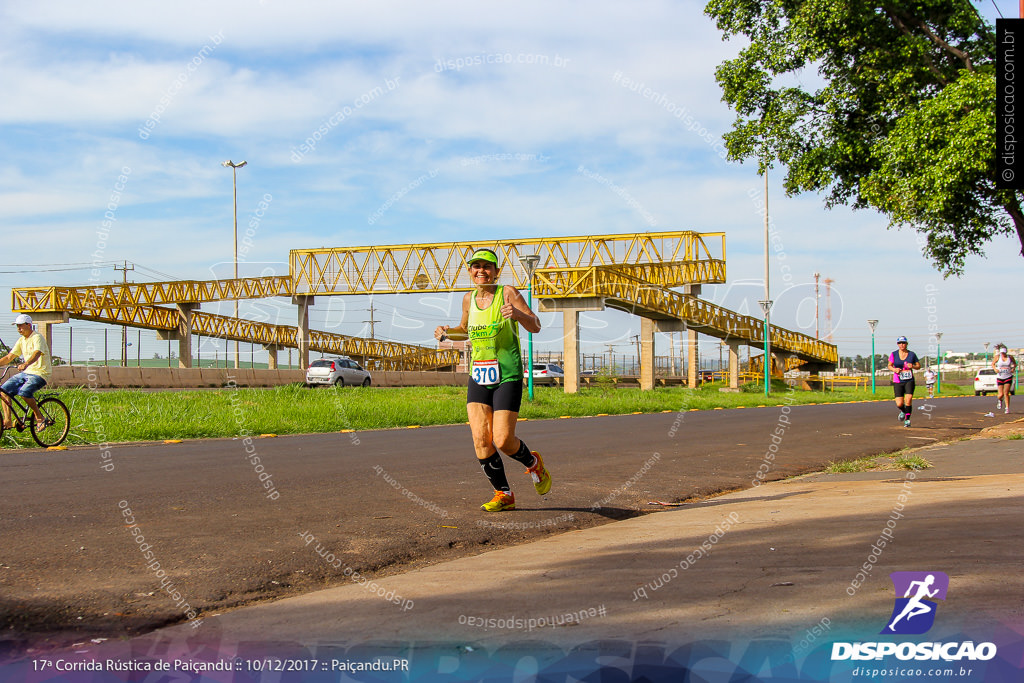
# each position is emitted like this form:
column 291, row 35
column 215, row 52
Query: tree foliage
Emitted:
column 888, row 105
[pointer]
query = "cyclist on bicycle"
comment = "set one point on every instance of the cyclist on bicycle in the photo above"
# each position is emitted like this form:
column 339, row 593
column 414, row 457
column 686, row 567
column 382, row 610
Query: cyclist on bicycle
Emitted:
column 33, row 372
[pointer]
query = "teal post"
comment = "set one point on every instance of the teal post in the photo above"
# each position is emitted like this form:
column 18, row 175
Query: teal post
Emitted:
column 529, row 263
column 767, row 360
column 872, row 324
column 529, row 342
column 872, row 362
column 766, row 306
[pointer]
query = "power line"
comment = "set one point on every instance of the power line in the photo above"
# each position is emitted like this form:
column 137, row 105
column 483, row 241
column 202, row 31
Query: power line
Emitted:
column 53, row 270
column 163, row 275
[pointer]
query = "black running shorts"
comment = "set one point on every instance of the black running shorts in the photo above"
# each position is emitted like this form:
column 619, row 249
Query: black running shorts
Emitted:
column 506, row 396
column 901, row 388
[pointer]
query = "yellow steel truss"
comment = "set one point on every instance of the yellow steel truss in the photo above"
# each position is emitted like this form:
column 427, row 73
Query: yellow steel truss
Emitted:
column 632, row 272
column 621, row 289
column 670, row 258
column 757, row 366
column 109, row 297
column 379, row 354
column 133, row 304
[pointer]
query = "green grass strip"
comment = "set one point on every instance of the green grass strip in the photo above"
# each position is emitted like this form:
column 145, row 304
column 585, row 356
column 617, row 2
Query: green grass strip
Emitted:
column 899, row 460
column 133, row 415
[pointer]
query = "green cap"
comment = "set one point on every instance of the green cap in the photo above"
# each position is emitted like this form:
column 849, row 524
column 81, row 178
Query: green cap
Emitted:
column 483, row 255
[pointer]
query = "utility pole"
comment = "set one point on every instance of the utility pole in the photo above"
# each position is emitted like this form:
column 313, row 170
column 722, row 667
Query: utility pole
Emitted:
column 672, row 351
column 817, row 334
column 828, row 307
column 234, row 192
column 611, row 358
column 372, row 320
column 124, row 328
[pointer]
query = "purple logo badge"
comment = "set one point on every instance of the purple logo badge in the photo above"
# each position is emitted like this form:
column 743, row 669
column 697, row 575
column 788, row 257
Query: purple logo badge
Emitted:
column 916, row 592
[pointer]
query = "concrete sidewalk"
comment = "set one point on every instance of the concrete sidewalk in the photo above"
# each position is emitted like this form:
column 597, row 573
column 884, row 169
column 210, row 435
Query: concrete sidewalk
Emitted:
column 797, row 560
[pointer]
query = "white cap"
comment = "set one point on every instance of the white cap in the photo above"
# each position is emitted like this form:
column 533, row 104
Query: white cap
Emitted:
column 23, row 319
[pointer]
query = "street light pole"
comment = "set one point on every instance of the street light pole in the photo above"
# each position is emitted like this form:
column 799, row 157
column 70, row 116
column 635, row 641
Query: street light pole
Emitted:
column 529, row 263
column 766, row 305
column 234, row 186
column 938, row 359
column 871, row 324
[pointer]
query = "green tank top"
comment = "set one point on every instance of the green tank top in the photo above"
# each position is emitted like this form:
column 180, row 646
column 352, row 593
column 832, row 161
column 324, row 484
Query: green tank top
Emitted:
column 496, row 356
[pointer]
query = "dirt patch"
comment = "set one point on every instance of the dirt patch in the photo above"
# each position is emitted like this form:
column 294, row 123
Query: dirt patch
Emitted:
column 1002, row 431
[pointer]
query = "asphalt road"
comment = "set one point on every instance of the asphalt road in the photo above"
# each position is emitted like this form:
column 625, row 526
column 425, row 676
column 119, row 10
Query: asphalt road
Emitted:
column 232, row 522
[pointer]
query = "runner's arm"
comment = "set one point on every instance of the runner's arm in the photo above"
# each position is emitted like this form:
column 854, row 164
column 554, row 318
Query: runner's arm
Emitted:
column 457, row 332
column 517, row 309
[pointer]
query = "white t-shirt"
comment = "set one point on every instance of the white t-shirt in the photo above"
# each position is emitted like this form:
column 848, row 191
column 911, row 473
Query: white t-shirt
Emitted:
column 1004, row 368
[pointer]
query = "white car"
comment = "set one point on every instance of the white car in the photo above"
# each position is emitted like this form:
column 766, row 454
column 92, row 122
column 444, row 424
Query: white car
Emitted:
column 340, row 371
column 985, row 382
column 545, row 373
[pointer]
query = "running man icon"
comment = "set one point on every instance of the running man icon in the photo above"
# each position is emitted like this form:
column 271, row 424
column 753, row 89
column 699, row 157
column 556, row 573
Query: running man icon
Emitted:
column 916, row 588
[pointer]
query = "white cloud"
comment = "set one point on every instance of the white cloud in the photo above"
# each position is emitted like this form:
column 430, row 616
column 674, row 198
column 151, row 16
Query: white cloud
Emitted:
column 264, row 78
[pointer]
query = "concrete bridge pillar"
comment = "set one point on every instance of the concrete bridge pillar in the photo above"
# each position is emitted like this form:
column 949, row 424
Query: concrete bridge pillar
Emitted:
column 571, row 309
column 691, row 359
column 272, row 356
column 45, row 321
column 734, row 364
column 571, row 350
column 648, row 327
column 302, row 332
column 646, row 354
column 46, row 330
column 183, row 333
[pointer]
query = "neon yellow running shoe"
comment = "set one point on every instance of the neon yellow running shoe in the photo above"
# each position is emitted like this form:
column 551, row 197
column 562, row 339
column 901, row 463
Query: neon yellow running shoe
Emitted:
column 501, row 501
column 540, row 474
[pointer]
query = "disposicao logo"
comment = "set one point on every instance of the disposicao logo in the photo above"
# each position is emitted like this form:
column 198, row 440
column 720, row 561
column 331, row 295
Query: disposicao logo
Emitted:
column 913, row 614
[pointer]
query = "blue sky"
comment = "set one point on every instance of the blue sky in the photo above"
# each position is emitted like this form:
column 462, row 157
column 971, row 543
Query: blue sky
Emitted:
column 403, row 122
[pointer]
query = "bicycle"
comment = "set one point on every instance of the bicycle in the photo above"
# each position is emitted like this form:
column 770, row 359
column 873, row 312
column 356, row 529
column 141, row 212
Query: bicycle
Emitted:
column 56, row 418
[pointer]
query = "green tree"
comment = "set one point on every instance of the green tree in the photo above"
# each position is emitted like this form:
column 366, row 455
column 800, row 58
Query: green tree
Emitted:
column 884, row 105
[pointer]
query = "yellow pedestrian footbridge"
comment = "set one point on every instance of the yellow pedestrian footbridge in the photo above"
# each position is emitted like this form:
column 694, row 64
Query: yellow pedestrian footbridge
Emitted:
column 633, row 272
column 621, row 290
